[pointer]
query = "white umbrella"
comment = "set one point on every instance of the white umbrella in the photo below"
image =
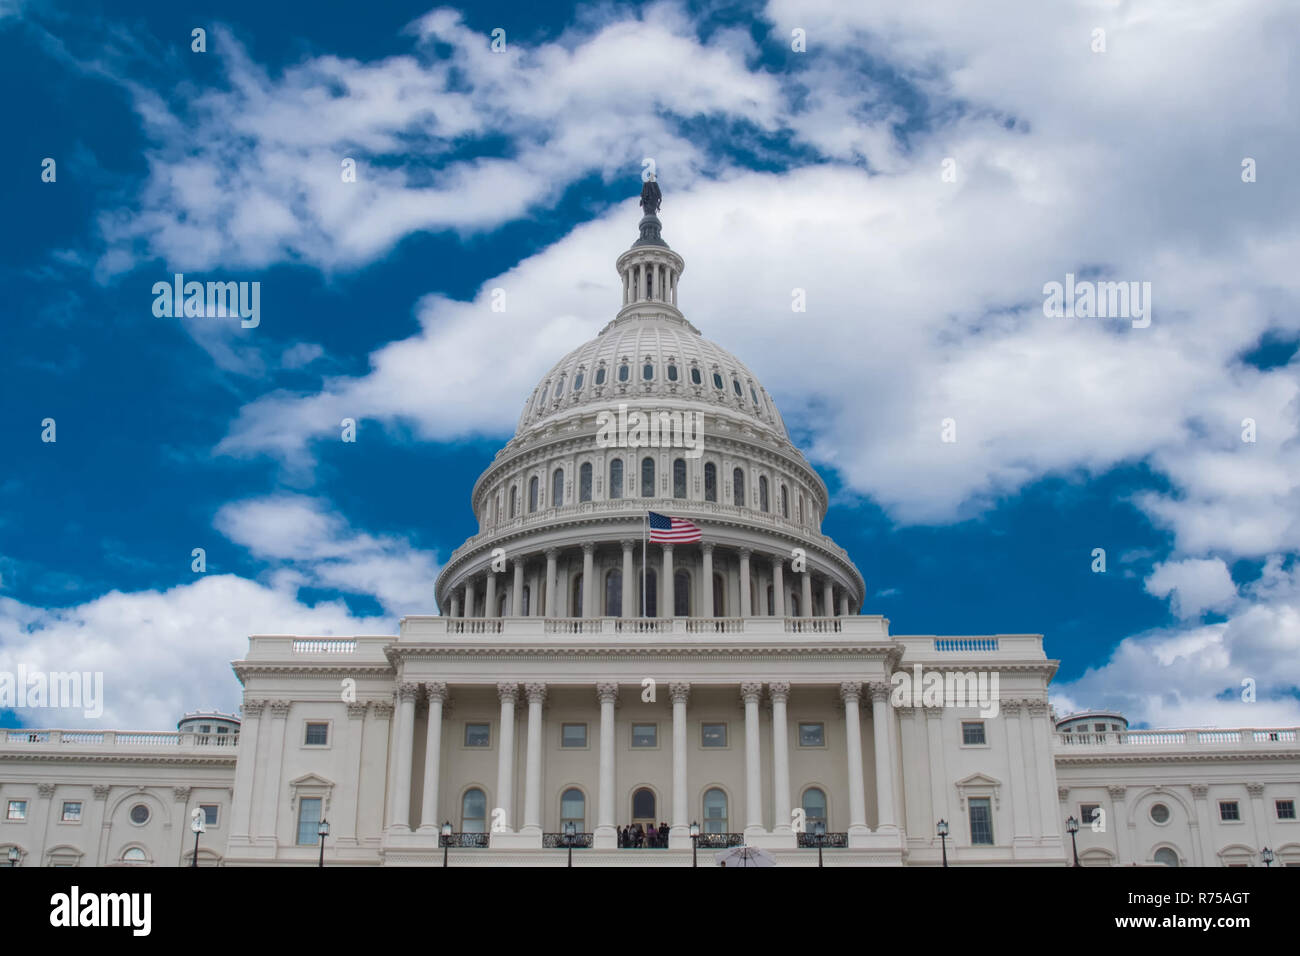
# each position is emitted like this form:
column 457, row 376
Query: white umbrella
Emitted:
column 744, row 856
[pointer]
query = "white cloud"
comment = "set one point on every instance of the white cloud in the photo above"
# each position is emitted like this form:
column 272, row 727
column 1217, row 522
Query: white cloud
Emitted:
column 1197, row 585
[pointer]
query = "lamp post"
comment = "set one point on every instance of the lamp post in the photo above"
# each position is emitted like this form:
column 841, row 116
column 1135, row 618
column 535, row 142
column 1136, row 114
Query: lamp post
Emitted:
column 14, row 856
column 695, row 842
column 1072, row 825
column 197, row 825
column 943, row 838
column 322, row 831
column 819, row 836
column 445, row 837
column 1267, row 856
column 570, row 837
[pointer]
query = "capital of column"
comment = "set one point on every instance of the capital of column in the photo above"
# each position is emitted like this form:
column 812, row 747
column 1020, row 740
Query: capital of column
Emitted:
column 253, row 707
column 356, row 711
column 280, row 709
column 1010, row 707
column 383, row 708
column 779, row 691
column 879, row 690
column 751, row 691
column 1116, row 791
column 1063, row 794
column 181, row 794
column 627, row 543
column 436, row 690
column 1255, row 789
column 851, row 691
column 536, row 693
column 552, row 554
column 46, row 790
column 508, row 691
column 1200, row 790
column 667, row 546
column 607, row 692
column 706, row 547
column 101, row 791
column 745, row 553
column 1037, row 708
column 588, row 547
column 407, row 690
column 679, row 691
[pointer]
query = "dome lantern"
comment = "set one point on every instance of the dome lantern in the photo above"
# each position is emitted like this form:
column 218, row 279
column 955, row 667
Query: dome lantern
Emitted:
column 650, row 269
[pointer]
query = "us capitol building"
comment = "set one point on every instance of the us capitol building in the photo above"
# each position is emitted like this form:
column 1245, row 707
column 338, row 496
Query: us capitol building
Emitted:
column 750, row 703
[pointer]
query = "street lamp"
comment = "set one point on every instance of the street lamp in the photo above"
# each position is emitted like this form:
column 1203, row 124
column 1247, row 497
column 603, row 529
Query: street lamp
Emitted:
column 196, row 824
column 445, row 838
column 322, row 831
column 1072, row 825
column 1267, row 856
column 819, row 836
column 943, row 838
column 570, row 837
column 14, row 855
column 695, row 842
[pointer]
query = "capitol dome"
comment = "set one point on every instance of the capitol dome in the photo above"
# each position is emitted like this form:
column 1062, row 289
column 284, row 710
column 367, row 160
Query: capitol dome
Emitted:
column 566, row 500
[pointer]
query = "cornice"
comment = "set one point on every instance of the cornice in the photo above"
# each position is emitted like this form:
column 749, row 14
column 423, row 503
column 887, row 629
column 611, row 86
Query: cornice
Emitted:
column 883, row 653
column 135, row 757
column 1190, row 756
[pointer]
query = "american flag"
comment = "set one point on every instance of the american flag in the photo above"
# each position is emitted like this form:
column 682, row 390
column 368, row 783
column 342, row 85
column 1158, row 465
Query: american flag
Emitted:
column 666, row 530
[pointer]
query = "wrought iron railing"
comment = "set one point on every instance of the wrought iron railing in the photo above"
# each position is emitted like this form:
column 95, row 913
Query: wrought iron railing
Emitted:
column 556, row 841
column 465, row 841
column 831, row 841
column 719, row 841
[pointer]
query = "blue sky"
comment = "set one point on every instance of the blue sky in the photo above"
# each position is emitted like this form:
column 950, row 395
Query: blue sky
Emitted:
column 819, row 170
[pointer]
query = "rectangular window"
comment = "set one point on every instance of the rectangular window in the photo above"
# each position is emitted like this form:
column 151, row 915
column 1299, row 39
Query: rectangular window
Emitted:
column 972, row 732
column 478, row 735
column 308, row 818
column 1100, row 728
column 713, row 735
column 1086, row 810
column 812, row 735
column 1228, row 810
column 1285, row 809
column 981, row 821
column 573, row 735
column 318, row 735
column 71, row 811
column 17, row 810
column 645, row 735
column 209, row 813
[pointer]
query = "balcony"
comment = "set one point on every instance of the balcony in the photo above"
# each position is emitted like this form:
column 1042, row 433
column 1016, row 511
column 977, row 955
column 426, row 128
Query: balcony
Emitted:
column 1134, row 742
column 101, row 741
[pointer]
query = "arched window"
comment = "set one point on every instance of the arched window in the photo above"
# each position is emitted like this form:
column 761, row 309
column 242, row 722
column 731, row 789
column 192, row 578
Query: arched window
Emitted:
column 814, row 808
column 696, row 378
column 643, row 807
column 799, row 514
column 616, row 478
column 584, row 482
column 622, row 372
column 647, row 477
column 575, row 609
column 738, row 488
column 762, row 492
column 532, row 494
column 717, row 381
column 647, row 371
column 1166, row 856
column 785, row 502
column 719, row 596
column 559, row 389
column 557, row 488
column 715, row 811
column 600, row 375
column 672, row 373
column 514, row 500
column 710, row 482
column 753, row 394
column 650, row 593
column 679, row 478
column 735, row 383
column 473, row 812
column 682, row 594
column 573, row 809
column 134, row 855
column 614, row 594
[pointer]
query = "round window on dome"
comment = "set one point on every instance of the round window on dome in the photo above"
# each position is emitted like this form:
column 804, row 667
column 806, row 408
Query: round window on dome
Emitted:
column 600, row 375
column 1159, row 813
column 696, row 378
column 139, row 814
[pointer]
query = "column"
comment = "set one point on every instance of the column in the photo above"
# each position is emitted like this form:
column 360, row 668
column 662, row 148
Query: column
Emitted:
column 1033, row 779
column 679, row 835
column 828, row 599
column 844, row 605
column 805, row 603
column 436, row 691
column 1201, row 829
column 589, row 589
column 886, row 822
column 1016, row 754
column 629, row 579
column 343, row 828
column 517, row 594
column 939, row 782
column 469, row 598
column 1119, row 817
column 706, row 549
column 1042, row 736
column 271, row 779
column 666, row 601
column 535, row 602
column 401, row 820
column 490, row 595
column 1259, row 816
column 508, row 692
column 180, row 846
column 242, row 809
column 533, row 763
column 750, row 692
column 780, row 755
column 778, row 585
column 850, row 691
column 551, row 555
column 605, row 837
column 745, row 610
column 98, row 831
column 455, row 605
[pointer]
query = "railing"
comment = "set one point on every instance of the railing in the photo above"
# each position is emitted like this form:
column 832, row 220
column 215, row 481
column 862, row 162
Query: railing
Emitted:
column 812, row 625
column 831, row 841
column 653, row 625
column 320, row 646
column 474, row 625
column 120, row 738
column 1189, row 739
column 572, row 625
column 643, row 625
column 558, row 841
column 963, row 645
column 719, row 841
column 465, row 841
column 715, row 625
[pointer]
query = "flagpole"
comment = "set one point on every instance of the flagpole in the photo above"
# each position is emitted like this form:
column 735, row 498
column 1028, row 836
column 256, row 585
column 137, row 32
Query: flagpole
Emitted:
column 645, row 520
